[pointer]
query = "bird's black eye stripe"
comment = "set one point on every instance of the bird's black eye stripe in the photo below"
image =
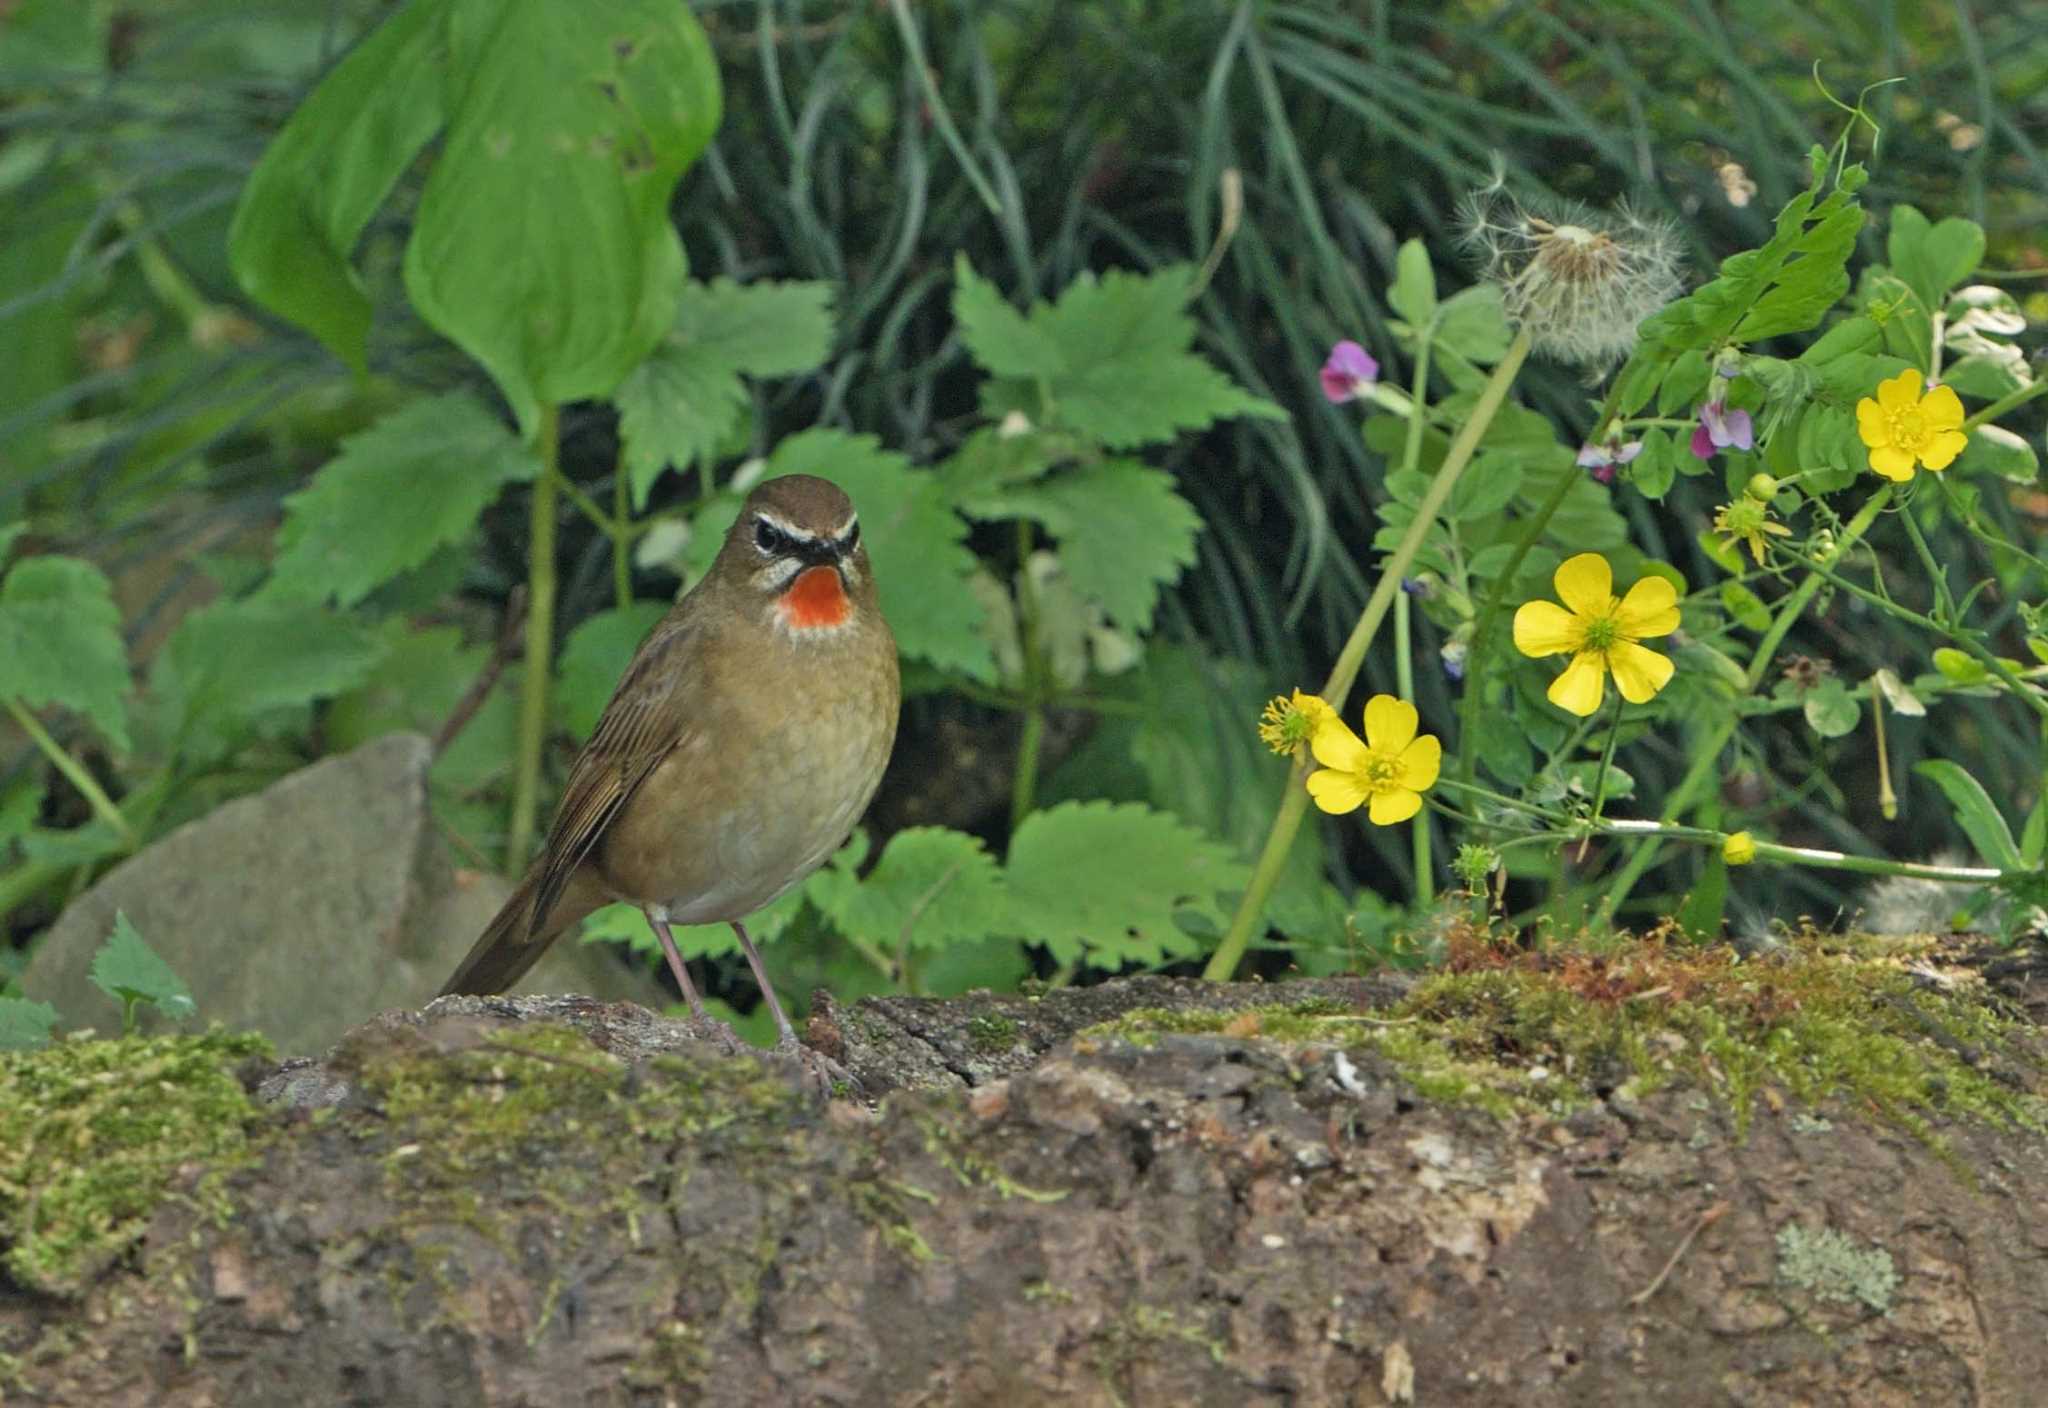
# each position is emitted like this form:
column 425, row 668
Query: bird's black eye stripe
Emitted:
column 770, row 539
column 852, row 538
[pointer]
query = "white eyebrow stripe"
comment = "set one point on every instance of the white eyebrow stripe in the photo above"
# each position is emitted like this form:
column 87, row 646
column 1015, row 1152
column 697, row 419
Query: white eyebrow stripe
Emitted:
column 852, row 522
column 777, row 520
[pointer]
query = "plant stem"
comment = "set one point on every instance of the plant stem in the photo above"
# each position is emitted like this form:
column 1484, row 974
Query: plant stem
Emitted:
column 1708, row 757
column 2003, row 404
column 540, row 630
column 622, row 562
column 1294, row 802
column 1024, row 787
column 74, row 771
column 1404, row 683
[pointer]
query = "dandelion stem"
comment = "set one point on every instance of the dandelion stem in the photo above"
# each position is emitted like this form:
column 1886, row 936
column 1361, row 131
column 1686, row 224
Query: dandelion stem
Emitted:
column 1294, row 802
column 74, row 771
column 1404, row 683
column 540, row 629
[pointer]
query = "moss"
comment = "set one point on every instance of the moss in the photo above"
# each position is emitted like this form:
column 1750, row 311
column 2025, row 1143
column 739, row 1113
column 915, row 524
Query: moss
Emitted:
column 92, row 1134
column 881, row 1201
column 1298, row 1021
column 991, row 1032
column 1829, row 1265
column 945, row 1144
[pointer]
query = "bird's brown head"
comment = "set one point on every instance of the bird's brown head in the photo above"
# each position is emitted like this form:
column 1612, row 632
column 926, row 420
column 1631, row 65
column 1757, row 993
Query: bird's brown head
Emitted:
column 797, row 545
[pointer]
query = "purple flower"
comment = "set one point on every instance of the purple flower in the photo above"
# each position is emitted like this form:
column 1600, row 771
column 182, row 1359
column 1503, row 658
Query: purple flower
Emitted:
column 1721, row 429
column 1601, row 460
column 1349, row 369
column 1453, row 655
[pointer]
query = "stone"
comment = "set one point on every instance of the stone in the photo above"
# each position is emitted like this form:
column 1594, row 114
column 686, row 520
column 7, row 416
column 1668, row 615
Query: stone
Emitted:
column 303, row 909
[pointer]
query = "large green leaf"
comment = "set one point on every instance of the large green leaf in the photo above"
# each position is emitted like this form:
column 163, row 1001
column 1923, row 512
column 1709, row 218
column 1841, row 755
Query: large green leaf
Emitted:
column 543, row 246
column 60, row 642
column 914, row 540
column 594, row 657
column 326, row 173
column 932, row 888
column 414, row 481
column 1975, row 813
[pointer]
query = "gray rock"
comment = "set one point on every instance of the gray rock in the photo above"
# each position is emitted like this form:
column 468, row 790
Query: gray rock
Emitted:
column 306, row 908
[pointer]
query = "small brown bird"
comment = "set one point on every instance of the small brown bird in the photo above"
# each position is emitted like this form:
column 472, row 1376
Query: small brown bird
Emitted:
column 740, row 748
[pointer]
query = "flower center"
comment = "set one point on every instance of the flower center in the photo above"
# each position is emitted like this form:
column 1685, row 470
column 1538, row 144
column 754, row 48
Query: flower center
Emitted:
column 1908, row 430
column 1382, row 772
column 1602, row 634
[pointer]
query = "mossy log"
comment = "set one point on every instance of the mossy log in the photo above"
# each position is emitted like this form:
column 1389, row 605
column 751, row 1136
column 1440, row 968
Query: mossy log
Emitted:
column 1150, row 1192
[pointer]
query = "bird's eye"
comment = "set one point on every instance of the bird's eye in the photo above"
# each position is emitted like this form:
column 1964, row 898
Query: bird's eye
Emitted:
column 853, row 536
column 768, row 538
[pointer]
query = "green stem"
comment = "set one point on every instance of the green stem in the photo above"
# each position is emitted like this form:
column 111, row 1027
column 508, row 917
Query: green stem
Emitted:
column 540, row 630
column 1607, row 757
column 2003, row 404
column 74, row 771
column 1707, row 759
column 622, row 561
column 1024, row 787
column 1404, row 682
column 1280, row 839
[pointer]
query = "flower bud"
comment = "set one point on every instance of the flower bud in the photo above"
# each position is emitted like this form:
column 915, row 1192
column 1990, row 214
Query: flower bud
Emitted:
column 1761, row 486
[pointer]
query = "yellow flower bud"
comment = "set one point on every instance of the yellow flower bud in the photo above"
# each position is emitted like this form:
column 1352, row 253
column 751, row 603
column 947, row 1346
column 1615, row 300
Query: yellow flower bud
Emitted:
column 1738, row 848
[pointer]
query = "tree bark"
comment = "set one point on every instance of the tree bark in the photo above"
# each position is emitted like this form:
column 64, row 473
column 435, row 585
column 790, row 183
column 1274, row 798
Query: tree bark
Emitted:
column 1032, row 1217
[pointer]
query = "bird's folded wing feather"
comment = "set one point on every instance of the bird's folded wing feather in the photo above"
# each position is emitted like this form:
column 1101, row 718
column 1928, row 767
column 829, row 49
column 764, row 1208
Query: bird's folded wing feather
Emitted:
column 639, row 728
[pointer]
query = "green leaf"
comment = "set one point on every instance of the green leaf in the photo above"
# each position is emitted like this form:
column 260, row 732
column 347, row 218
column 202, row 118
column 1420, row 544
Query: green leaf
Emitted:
column 915, row 541
column 410, row 484
column 1474, row 324
column 129, row 971
column 1745, row 607
column 594, row 657
column 931, row 888
column 60, row 641
column 1653, row 471
column 1960, row 666
column 1701, row 913
column 1413, row 295
column 232, row 667
column 1992, row 449
column 21, row 802
column 1831, row 711
column 1932, row 259
column 1123, row 531
column 25, row 1025
column 1975, row 813
column 542, row 246
column 1103, row 884
column 684, row 401
column 1111, row 356
column 328, row 170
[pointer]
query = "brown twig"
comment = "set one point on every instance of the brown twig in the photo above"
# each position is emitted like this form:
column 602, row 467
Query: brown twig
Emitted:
column 1700, row 1224
column 487, row 679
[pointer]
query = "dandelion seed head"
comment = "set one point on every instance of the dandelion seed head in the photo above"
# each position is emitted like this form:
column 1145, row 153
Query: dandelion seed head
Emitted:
column 1576, row 280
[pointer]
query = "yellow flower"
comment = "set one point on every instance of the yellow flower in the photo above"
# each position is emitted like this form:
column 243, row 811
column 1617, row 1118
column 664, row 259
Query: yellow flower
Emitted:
column 1286, row 724
column 1902, row 427
column 1738, row 848
column 1746, row 521
column 1392, row 768
column 1600, row 632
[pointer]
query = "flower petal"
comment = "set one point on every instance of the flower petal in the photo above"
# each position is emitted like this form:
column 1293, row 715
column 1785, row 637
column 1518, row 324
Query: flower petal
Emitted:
column 1586, row 584
column 1639, row 673
column 1336, row 746
column 1900, row 393
column 1583, row 684
column 1702, row 443
column 1942, row 409
column 1649, row 609
column 1389, row 723
column 1941, row 451
column 1337, row 792
column 1390, row 807
column 1873, row 424
column 1892, row 462
column 1421, row 761
column 1740, row 431
column 1545, row 628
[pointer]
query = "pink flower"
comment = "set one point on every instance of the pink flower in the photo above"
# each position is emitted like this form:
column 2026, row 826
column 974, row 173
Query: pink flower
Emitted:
column 1601, row 460
column 1349, row 370
column 1721, row 429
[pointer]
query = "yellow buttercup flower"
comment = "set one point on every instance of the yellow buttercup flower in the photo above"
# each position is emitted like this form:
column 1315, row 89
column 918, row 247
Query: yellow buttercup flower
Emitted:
column 1903, row 428
column 1601, row 633
column 1391, row 768
column 1286, row 723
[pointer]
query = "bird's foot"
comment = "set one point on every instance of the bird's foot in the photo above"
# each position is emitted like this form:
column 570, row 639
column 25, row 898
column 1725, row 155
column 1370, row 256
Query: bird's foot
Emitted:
column 715, row 1033
column 821, row 1076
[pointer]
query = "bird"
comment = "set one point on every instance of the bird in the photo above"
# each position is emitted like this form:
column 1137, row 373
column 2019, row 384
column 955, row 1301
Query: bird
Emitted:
column 743, row 743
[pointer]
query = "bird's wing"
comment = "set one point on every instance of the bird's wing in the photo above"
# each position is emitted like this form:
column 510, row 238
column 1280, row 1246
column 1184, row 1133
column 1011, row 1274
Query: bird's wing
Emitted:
column 639, row 728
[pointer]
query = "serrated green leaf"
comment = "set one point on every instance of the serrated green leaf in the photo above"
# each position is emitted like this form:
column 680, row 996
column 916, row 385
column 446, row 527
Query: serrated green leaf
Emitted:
column 25, row 1025
column 769, row 328
column 398, row 491
column 1831, row 711
column 130, row 971
column 1413, row 295
column 1003, row 341
column 1975, row 813
column 543, row 246
column 327, row 171
column 915, row 541
column 230, row 666
column 594, row 657
column 60, row 641
column 1101, row 884
column 932, row 888
column 1123, row 531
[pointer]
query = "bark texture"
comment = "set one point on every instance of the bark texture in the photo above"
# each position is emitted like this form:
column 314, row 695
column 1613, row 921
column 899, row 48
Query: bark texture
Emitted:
column 467, row 1208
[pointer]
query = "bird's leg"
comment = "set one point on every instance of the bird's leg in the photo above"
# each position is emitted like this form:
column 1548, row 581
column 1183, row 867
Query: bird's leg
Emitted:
column 675, row 963
column 785, row 1033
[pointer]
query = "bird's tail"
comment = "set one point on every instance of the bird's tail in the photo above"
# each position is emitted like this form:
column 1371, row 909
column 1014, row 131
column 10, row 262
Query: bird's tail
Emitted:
column 513, row 942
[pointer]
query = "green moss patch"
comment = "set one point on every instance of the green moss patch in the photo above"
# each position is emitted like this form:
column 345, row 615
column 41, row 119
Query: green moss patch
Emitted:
column 92, row 1134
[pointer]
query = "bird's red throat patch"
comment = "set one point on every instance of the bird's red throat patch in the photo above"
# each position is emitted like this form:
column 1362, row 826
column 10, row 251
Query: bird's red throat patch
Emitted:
column 816, row 600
